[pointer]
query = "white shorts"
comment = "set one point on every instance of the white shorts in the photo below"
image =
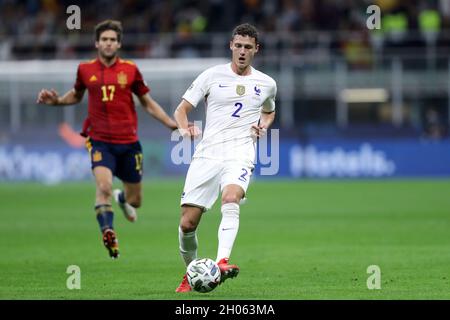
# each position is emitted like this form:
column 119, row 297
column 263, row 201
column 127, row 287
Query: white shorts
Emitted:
column 206, row 177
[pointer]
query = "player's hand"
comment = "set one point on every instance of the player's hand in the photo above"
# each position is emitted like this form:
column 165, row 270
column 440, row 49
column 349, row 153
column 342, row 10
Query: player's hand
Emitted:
column 192, row 131
column 258, row 131
column 47, row 97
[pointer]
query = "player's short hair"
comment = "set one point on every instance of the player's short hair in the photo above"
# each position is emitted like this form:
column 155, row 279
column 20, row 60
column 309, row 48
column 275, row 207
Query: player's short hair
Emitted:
column 113, row 25
column 246, row 29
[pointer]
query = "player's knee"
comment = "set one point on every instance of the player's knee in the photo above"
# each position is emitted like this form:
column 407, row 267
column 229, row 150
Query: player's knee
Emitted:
column 187, row 225
column 230, row 198
column 105, row 189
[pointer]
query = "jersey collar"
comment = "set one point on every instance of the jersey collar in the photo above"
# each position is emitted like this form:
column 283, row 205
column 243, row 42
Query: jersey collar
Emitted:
column 101, row 63
column 237, row 75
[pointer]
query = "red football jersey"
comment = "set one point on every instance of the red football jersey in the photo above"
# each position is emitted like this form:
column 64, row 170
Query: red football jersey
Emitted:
column 111, row 112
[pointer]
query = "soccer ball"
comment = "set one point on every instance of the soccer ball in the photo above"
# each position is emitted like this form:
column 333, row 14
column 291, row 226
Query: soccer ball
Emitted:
column 203, row 275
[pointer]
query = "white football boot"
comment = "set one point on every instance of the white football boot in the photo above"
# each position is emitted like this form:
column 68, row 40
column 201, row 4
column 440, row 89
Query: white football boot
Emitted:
column 129, row 212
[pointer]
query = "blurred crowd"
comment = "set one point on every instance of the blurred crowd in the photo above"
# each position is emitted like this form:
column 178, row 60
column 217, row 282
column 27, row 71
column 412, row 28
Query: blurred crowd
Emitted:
column 36, row 22
column 317, row 32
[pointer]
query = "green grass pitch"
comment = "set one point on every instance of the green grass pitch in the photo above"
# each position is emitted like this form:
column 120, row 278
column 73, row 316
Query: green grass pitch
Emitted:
column 297, row 240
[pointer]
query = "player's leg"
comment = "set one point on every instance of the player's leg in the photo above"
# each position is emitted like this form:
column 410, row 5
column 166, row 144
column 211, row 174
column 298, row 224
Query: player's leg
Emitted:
column 187, row 235
column 103, row 165
column 229, row 224
column 199, row 194
column 130, row 171
column 235, row 181
column 228, row 229
column 103, row 209
column 133, row 194
column 200, row 191
column 129, row 199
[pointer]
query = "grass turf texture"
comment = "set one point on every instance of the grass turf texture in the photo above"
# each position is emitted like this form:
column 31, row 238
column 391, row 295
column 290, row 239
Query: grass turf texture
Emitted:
column 297, row 240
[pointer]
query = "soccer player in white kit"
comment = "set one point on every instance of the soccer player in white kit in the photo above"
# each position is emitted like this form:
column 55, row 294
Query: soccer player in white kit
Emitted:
column 240, row 106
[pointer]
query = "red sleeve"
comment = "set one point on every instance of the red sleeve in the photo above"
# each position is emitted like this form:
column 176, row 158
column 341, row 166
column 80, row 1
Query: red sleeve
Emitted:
column 139, row 86
column 79, row 84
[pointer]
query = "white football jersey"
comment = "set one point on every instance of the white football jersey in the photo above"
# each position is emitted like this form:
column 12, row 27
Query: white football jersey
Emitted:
column 233, row 104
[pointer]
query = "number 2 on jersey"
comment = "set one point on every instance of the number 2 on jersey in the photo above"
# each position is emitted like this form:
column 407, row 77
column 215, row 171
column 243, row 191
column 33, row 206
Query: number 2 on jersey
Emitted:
column 105, row 97
column 242, row 177
column 239, row 107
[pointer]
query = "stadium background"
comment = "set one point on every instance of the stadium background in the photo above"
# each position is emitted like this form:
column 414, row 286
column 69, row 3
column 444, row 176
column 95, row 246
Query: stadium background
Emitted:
column 367, row 108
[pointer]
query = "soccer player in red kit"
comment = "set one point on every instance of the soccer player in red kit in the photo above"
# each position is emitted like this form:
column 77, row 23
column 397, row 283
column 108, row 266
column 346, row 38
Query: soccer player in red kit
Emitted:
column 111, row 126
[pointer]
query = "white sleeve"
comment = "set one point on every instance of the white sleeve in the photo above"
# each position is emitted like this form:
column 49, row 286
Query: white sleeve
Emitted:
column 198, row 89
column 269, row 104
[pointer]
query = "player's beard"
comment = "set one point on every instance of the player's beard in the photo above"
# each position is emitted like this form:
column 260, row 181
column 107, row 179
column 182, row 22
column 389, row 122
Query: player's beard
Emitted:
column 244, row 64
column 108, row 56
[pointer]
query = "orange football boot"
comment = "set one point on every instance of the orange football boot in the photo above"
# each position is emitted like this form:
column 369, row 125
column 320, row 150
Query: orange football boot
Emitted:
column 227, row 270
column 184, row 285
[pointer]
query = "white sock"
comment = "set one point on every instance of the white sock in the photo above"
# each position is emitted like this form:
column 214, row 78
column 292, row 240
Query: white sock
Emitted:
column 228, row 230
column 188, row 245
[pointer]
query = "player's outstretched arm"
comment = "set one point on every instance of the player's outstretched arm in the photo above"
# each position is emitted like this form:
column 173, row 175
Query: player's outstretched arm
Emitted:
column 185, row 127
column 155, row 110
column 266, row 120
column 51, row 97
